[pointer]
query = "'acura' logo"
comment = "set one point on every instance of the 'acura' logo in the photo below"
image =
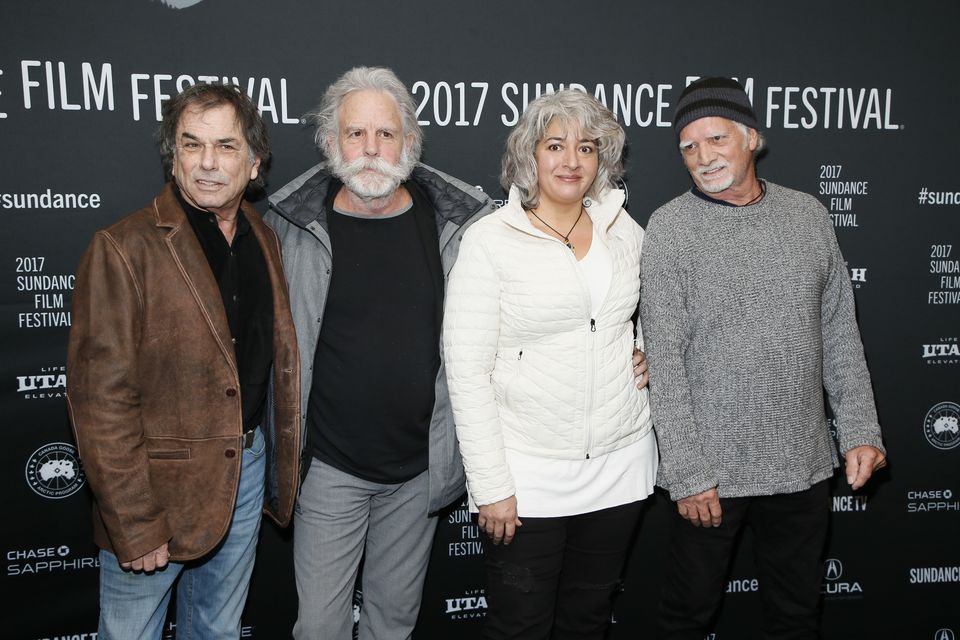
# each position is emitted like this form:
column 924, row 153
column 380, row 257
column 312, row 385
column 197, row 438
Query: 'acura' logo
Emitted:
column 832, row 569
column 943, row 634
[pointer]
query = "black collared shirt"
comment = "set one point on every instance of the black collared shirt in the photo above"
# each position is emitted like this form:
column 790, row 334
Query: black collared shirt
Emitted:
column 241, row 273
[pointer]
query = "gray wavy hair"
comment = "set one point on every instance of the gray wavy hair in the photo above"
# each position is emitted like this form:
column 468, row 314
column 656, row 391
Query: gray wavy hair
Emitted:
column 326, row 116
column 571, row 107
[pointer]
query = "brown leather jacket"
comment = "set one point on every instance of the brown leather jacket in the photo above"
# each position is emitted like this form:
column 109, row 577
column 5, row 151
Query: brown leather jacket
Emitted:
column 153, row 389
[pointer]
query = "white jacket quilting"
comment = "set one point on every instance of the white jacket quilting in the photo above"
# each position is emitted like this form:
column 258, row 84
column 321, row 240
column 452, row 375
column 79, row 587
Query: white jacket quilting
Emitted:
column 529, row 367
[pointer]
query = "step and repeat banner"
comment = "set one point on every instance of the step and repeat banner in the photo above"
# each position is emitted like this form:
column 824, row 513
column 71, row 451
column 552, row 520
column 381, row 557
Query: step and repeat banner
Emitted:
column 858, row 101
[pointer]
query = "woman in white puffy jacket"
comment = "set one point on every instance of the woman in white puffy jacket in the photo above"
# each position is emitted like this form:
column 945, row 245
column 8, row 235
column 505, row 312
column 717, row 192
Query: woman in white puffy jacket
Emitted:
column 554, row 428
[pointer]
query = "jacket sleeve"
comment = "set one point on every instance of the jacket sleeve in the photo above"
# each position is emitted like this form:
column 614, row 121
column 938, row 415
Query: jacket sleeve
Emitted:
column 470, row 334
column 845, row 374
column 104, row 399
column 684, row 469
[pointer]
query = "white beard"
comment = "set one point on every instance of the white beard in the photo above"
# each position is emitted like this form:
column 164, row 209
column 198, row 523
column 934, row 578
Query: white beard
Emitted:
column 371, row 178
column 712, row 187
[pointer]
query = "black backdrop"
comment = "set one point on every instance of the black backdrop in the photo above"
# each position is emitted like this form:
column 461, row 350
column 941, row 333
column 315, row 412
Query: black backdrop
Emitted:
column 857, row 100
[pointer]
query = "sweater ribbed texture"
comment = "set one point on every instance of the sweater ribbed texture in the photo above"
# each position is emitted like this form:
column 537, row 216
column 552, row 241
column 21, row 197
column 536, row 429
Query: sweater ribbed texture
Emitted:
column 748, row 314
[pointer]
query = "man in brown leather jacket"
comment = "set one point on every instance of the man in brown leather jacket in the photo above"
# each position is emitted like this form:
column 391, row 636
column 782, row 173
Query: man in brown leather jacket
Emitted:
column 181, row 328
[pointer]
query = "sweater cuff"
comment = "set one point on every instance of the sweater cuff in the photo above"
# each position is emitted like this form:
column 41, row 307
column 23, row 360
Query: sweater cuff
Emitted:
column 862, row 441
column 692, row 484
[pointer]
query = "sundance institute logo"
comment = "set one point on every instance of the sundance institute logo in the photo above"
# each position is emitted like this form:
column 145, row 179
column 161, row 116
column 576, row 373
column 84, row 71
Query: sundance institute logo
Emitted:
column 180, row 4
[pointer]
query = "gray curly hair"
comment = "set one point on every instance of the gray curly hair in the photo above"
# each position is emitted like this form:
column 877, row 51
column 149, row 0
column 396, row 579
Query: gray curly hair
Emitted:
column 571, row 107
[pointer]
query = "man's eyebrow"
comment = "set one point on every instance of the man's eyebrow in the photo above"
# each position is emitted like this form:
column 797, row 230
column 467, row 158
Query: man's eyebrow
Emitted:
column 187, row 134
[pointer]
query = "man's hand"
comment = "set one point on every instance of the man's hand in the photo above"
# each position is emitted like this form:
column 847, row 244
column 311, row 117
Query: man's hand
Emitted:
column 702, row 509
column 640, row 368
column 156, row 559
column 499, row 520
column 861, row 462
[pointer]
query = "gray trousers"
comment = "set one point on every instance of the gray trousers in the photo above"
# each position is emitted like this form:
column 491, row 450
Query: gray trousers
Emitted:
column 341, row 518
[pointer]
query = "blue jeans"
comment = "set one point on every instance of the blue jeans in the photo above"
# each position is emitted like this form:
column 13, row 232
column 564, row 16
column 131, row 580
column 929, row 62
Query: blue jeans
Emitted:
column 211, row 591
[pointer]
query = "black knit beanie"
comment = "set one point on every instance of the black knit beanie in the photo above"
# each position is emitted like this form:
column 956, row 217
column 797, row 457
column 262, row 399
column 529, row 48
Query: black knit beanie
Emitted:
column 708, row 97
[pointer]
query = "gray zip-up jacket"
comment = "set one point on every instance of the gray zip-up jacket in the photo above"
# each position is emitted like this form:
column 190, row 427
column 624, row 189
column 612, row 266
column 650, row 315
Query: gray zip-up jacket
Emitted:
column 298, row 216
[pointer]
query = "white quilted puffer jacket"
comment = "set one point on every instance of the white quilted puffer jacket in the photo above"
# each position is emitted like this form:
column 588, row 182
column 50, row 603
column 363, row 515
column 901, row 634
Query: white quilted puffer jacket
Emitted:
column 528, row 366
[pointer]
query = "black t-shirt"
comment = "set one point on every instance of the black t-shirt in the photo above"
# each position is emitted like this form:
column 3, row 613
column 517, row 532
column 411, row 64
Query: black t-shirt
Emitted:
column 378, row 355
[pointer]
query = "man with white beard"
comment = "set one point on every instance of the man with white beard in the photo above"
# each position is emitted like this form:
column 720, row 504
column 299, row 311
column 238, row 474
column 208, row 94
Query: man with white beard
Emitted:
column 748, row 316
column 367, row 241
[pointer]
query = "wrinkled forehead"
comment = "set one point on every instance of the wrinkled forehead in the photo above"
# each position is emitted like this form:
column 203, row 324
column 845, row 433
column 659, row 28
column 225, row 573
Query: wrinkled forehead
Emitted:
column 368, row 106
column 706, row 128
column 221, row 118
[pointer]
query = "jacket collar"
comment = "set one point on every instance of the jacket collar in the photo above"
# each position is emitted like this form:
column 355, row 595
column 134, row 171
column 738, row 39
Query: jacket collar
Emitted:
column 170, row 214
column 302, row 200
column 167, row 209
column 603, row 211
column 188, row 254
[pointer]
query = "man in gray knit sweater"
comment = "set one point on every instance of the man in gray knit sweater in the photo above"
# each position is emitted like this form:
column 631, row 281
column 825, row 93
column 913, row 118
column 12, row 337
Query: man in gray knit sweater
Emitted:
column 739, row 361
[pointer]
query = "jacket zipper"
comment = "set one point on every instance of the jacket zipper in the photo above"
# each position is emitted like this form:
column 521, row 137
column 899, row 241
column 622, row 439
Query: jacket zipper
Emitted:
column 591, row 381
column 591, row 360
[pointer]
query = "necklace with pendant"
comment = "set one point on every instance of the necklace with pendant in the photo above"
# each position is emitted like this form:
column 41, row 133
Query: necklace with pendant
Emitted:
column 566, row 238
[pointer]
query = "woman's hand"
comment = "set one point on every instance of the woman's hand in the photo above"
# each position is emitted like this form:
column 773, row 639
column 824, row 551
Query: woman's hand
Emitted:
column 499, row 520
column 640, row 368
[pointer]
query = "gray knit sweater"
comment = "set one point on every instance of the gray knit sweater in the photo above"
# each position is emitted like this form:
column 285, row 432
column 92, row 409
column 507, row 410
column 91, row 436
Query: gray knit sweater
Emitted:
column 748, row 314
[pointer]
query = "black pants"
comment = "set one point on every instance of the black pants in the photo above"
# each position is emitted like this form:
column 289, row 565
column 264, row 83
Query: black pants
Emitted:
column 558, row 577
column 789, row 534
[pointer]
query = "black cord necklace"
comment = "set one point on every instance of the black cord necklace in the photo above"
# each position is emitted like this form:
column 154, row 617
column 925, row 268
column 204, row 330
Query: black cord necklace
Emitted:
column 763, row 191
column 566, row 238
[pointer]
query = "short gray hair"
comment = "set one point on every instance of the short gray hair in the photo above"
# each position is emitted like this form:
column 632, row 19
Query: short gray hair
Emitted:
column 571, row 107
column 761, row 139
column 326, row 117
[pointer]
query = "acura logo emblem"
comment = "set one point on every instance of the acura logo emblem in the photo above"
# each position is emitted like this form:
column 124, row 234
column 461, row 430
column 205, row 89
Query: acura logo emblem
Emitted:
column 833, row 569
